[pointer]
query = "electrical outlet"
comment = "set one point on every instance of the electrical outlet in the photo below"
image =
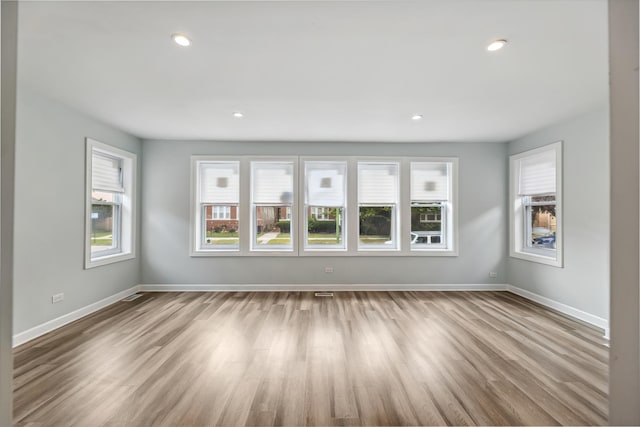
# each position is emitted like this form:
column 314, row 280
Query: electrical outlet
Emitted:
column 57, row 298
column 493, row 274
column 328, row 269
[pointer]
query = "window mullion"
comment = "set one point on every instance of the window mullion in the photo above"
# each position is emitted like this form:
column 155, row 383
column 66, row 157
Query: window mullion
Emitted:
column 405, row 207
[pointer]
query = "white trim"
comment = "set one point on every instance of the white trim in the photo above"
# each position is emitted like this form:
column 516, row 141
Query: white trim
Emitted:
column 298, row 213
column 128, row 207
column 319, row 287
column 591, row 319
column 37, row 331
column 565, row 309
column 253, row 249
column 516, row 231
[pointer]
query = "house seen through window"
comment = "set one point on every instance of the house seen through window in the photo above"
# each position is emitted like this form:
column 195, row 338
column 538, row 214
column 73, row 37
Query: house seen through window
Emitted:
column 273, row 206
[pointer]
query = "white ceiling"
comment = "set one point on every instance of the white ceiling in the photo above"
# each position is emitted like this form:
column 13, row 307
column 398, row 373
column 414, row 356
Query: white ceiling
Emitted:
column 320, row 71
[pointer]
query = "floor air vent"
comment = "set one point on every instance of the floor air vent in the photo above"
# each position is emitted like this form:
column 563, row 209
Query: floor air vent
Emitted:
column 324, row 294
column 132, row 297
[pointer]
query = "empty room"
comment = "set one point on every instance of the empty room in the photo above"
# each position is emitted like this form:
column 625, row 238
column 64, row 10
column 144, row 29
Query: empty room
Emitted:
column 319, row 213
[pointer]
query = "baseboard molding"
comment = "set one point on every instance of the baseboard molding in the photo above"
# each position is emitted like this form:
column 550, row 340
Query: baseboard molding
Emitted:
column 565, row 309
column 320, row 287
column 58, row 322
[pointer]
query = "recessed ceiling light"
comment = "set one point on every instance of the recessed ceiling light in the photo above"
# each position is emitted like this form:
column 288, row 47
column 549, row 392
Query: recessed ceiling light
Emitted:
column 238, row 115
column 416, row 117
column 496, row 45
column 181, row 39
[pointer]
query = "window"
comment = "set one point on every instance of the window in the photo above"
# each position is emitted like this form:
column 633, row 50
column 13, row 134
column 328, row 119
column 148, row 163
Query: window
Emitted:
column 354, row 206
column 110, row 180
column 431, row 217
column 321, row 214
column 378, row 205
column 431, row 206
column 536, row 205
column 221, row 212
column 219, row 198
column 272, row 200
column 325, row 203
column 287, row 214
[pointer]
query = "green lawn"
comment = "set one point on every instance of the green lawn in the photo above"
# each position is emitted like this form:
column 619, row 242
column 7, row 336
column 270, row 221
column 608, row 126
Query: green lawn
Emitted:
column 374, row 240
column 101, row 238
column 222, row 238
column 323, row 239
column 280, row 239
column 222, row 234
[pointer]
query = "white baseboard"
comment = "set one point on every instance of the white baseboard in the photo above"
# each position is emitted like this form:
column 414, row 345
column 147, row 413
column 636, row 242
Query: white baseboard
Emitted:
column 320, row 287
column 596, row 321
column 547, row 302
column 58, row 322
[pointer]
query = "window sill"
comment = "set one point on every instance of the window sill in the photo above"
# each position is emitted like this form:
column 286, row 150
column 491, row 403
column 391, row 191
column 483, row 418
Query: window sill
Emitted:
column 108, row 259
column 537, row 258
column 326, row 253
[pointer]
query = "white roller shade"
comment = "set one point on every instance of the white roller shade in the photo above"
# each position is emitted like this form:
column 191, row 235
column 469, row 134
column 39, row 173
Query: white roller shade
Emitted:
column 325, row 183
column 272, row 183
column 220, row 182
column 538, row 174
column 377, row 183
column 430, row 181
column 106, row 173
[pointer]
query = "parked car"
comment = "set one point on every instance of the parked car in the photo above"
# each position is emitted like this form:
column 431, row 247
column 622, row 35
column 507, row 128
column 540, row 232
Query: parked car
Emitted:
column 546, row 241
column 422, row 237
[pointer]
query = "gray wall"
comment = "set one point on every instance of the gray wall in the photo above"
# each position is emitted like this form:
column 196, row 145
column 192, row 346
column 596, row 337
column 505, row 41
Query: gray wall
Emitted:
column 49, row 207
column 165, row 221
column 9, row 30
column 583, row 283
column 624, row 358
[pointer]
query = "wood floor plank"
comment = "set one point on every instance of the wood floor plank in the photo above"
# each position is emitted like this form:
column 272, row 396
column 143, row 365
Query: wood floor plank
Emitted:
column 291, row 359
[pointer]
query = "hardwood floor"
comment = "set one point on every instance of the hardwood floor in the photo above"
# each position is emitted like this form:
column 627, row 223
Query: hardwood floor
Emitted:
column 360, row 358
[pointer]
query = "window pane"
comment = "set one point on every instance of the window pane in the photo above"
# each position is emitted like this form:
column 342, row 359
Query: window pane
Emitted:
column 221, row 224
column 103, row 196
column 325, row 226
column 541, row 216
column 272, row 182
column 430, row 181
column 106, row 172
column 378, row 183
column 104, row 218
column 376, row 226
column 426, row 224
column 220, row 182
column 538, row 173
column 325, row 183
column 273, row 226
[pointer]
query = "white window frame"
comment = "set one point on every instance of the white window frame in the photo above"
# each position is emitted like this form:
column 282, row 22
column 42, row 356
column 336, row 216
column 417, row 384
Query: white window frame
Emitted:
column 350, row 217
column 197, row 235
column 517, row 219
column 125, row 227
column 396, row 213
column 443, row 226
column 116, row 226
column 275, row 250
column 220, row 212
column 448, row 245
column 325, row 250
